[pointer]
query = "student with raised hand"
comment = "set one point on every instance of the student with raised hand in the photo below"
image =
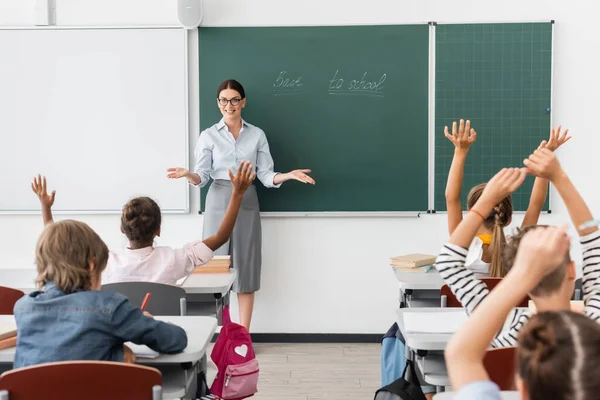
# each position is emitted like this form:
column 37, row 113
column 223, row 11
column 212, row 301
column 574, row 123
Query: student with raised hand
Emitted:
column 71, row 319
column 557, row 354
column 141, row 223
column 486, row 248
column 554, row 292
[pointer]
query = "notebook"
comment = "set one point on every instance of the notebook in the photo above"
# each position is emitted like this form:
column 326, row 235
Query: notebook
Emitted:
column 433, row 322
column 141, row 350
column 8, row 329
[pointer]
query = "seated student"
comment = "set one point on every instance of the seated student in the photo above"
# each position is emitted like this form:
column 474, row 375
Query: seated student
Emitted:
column 552, row 293
column 484, row 257
column 558, row 351
column 141, row 221
column 71, row 319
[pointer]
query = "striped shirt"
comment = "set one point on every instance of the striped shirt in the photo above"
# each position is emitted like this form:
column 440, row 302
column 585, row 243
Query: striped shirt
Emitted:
column 470, row 291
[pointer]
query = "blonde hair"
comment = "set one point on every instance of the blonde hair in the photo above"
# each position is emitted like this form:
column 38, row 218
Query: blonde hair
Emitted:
column 496, row 221
column 63, row 255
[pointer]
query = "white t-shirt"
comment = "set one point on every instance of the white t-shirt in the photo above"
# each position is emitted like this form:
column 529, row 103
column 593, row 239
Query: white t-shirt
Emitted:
column 480, row 268
column 156, row 264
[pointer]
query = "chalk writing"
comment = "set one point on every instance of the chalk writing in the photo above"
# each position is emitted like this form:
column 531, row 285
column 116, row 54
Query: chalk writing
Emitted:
column 365, row 86
column 288, row 86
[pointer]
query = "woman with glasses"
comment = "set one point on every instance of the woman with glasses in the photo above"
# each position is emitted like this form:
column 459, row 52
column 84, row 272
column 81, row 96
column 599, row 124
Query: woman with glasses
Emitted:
column 223, row 147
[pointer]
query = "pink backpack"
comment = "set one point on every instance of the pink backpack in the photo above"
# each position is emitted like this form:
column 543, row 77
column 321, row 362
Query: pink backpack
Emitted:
column 233, row 354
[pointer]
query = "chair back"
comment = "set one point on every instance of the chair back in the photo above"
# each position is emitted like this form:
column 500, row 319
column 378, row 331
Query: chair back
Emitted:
column 76, row 380
column 449, row 300
column 165, row 299
column 500, row 365
column 8, row 298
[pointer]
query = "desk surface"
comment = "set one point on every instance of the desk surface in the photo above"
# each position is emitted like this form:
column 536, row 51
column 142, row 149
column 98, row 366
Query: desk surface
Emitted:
column 24, row 280
column 419, row 281
column 426, row 341
column 513, row 395
column 199, row 331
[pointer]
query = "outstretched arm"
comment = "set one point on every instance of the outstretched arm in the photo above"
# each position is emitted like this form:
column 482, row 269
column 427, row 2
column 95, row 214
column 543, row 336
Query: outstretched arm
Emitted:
column 46, row 200
column 462, row 138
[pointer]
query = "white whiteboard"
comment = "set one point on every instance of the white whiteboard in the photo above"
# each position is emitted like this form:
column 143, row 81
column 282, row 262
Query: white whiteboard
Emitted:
column 101, row 112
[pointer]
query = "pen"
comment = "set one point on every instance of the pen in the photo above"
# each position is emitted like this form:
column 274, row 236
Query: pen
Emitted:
column 145, row 302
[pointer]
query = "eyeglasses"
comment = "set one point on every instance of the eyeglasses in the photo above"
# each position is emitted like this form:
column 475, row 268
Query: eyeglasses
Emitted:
column 234, row 102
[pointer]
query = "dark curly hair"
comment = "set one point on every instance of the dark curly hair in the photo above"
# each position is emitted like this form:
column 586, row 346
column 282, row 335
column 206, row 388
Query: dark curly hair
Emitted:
column 141, row 220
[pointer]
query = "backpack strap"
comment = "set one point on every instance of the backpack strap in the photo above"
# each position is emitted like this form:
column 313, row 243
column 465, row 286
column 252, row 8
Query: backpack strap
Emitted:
column 226, row 317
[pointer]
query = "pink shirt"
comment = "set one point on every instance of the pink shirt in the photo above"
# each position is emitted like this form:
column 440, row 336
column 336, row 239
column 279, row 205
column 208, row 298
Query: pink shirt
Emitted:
column 156, row 264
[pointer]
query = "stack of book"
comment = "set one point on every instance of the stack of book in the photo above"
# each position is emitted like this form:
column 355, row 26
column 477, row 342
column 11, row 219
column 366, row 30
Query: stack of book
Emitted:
column 219, row 264
column 413, row 263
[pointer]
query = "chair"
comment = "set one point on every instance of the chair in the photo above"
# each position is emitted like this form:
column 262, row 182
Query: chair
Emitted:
column 449, row 300
column 8, row 298
column 165, row 299
column 75, row 380
column 501, row 367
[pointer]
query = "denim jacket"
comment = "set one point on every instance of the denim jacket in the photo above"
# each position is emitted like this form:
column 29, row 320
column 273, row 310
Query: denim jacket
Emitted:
column 86, row 325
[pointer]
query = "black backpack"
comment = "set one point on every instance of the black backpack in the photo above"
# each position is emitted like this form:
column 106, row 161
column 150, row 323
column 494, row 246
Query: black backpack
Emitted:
column 406, row 387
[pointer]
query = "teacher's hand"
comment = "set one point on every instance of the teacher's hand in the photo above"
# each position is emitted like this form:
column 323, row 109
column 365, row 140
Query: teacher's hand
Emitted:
column 301, row 175
column 176, row 173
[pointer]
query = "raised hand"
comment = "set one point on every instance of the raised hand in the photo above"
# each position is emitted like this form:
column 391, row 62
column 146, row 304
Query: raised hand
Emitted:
column 503, row 184
column 243, row 178
column 557, row 139
column 176, row 173
column 539, row 251
column 39, row 188
column 544, row 164
column 463, row 137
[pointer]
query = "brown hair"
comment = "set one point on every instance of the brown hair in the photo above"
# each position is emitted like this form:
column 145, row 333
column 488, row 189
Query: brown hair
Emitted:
column 559, row 356
column 231, row 84
column 141, row 220
column 496, row 221
column 551, row 282
column 63, row 255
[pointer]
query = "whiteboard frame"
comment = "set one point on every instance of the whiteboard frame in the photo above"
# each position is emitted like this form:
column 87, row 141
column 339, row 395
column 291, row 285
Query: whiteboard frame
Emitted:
column 186, row 84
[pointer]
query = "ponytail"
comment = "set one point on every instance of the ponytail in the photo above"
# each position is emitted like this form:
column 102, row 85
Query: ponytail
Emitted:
column 498, row 242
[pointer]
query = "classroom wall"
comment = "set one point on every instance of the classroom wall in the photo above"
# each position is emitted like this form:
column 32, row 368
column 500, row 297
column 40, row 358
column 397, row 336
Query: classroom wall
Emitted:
column 332, row 275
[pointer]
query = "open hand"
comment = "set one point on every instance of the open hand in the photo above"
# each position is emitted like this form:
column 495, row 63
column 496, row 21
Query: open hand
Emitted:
column 243, row 178
column 39, row 188
column 462, row 138
column 556, row 139
column 176, row 173
column 503, row 184
column 301, row 175
column 543, row 163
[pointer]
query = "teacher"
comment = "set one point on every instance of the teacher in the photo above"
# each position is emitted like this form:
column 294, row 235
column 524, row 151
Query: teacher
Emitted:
column 221, row 147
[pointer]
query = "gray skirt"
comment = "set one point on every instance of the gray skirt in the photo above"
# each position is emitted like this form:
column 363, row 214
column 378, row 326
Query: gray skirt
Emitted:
column 245, row 244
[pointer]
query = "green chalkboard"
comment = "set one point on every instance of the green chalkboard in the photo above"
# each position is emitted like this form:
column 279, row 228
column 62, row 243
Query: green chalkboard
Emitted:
column 351, row 103
column 499, row 77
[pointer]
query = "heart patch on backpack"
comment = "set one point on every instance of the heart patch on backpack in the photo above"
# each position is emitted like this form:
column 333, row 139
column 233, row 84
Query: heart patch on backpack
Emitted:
column 242, row 350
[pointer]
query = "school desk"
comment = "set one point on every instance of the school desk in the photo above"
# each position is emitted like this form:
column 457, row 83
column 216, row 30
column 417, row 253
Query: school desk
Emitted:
column 198, row 287
column 510, row 395
column 419, row 289
column 179, row 370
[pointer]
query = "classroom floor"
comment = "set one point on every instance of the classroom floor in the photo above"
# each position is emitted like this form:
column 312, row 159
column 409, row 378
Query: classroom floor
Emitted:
column 307, row 371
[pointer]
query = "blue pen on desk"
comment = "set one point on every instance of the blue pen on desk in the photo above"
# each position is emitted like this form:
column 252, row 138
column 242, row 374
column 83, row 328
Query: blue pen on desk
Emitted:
column 590, row 224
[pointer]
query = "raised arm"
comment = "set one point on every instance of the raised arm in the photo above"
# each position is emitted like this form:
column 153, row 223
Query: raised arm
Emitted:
column 462, row 138
column 543, row 163
column 466, row 350
column 46, row 200
column 540, row 185
column 240, row 182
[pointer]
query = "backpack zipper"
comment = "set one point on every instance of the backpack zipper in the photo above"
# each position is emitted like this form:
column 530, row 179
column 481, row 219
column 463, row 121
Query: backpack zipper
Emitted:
column 228, row 377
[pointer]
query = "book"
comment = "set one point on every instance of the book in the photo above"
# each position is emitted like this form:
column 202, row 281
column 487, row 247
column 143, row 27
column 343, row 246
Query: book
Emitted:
column 219, row 264
column 423, row 270
column 8, row 329
column 413, row 260
column 8, row 342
